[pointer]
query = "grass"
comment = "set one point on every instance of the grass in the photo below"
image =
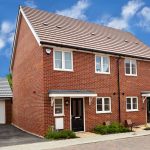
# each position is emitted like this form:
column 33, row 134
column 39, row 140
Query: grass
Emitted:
column 110, row 129
column 62, row 134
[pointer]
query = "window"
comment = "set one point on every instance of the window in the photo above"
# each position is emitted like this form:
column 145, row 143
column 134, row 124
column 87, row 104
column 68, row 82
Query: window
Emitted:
column 103, row 105
column 63, row 60
column 102, row 64
column 132, row 104
column 130, row 67
column 58, row 107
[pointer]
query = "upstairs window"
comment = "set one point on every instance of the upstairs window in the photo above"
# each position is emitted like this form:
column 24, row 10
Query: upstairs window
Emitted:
column 130, row 67
column 63, row 60
column 102, row 64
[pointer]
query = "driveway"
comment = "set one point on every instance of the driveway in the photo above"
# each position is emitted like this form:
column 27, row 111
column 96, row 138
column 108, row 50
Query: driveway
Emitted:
column 10, row 135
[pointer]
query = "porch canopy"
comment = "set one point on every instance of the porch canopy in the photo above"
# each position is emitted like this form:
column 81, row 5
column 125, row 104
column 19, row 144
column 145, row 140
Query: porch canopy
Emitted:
column 145, row 93
column 71, row 93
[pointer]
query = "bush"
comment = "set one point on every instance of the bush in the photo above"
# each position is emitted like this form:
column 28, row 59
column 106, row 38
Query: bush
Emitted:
column 63, row 134
column 147, row 128
column 113, row 128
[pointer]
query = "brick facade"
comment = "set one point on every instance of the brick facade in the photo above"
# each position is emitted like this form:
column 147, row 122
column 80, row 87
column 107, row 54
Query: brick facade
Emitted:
column 33, row 76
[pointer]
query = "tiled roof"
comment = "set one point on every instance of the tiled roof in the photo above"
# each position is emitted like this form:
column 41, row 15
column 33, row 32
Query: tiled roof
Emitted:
column 5, row 90
column 56, row 29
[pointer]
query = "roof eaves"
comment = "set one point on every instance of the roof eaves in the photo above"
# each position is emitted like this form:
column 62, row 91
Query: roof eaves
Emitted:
column 92, row 50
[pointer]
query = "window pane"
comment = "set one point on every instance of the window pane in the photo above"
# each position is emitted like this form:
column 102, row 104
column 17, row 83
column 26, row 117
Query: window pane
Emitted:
column 99, row 107
column 107, row 107
column 106, row 101
column 67, row 57
column 58, row 59
column 127, row 62
column 129, row 106
column 58, row 106
column 133, row 67
column 98, row 64
column 134, row 103
column 99, row 104
column 128, row 100
column 99, row 101
column 105, row 64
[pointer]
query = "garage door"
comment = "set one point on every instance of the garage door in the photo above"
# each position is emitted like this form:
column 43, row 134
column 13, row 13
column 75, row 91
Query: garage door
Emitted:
column 2, row 112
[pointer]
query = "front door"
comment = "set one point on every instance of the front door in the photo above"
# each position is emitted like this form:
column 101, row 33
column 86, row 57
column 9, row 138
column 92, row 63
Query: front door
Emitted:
column 77, row 114
column 148, row 110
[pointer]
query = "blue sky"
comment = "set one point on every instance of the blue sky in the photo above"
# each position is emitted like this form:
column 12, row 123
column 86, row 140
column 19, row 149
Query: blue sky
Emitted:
column 128, row 15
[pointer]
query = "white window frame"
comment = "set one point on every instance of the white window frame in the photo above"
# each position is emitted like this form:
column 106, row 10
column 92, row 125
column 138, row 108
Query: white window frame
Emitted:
column 131, row 110
column 131, row 60
column 63, row 61
column 103, row 111
column 62, row 114
column 102, row 72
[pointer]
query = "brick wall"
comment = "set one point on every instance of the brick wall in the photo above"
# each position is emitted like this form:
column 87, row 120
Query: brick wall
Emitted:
column 84, row 78
column 28, row 93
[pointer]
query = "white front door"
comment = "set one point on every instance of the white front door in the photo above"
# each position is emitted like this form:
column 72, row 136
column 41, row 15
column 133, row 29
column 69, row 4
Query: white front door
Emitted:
column 2, row 112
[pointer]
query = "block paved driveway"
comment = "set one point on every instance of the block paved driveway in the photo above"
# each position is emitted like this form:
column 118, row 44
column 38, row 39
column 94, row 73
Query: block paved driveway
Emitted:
column 10, row 135
column 135, row 143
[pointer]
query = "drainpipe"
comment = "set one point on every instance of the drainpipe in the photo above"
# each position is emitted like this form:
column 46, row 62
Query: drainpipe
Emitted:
column 118, row 83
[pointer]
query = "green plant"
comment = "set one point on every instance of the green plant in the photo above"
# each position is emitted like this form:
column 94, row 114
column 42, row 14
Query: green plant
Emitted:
column 9, row 78
column 63, row 134
column 147, row 128
column 112, row 128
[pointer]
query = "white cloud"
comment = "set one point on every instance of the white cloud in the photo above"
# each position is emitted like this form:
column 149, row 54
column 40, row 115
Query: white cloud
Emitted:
column 2, row 43
column 30, row 3
column 145, row 18
column 77, row 11
column 128, row 11
column 6, row 37
column 6, row 27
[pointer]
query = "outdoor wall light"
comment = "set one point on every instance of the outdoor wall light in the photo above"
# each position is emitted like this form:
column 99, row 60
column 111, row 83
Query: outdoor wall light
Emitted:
column 48, row 50
column 67, row 102
column 114, row 93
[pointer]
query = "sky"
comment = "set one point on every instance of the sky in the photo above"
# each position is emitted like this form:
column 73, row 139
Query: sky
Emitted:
column 128, row 15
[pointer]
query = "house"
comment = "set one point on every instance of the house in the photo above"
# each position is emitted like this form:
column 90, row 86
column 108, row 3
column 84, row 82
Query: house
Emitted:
column 5, row 102
column 71, row 74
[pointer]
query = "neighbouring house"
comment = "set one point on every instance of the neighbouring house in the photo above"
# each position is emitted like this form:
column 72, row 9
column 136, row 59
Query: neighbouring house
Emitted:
column 71, row 74
column 5, row 102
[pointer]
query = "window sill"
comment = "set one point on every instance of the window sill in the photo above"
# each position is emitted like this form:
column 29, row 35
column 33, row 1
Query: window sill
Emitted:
column 104, row 112
column 107, row 73
column 132, row 110
column 131, row 75
column 59, row 115
column 64, row 70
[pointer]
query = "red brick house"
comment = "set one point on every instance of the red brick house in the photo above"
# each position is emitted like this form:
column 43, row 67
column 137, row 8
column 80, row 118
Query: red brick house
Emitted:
column 74, row 75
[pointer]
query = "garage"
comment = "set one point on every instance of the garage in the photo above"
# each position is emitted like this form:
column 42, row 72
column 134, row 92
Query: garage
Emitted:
column 5, row 102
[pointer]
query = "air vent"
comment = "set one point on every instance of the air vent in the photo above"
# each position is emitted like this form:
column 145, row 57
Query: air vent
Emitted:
column 136, row 43
column 126, row 41
column 108, row 37
column 59, row 27
column 45, row 24
column 93, row 33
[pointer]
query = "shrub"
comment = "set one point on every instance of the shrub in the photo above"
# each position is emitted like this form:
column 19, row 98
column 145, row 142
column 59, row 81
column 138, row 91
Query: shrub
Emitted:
column 147, row 128
column 113, row 128
column 63, row 134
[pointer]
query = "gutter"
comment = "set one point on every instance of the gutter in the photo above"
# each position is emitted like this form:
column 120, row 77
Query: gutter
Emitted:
column 46, row 44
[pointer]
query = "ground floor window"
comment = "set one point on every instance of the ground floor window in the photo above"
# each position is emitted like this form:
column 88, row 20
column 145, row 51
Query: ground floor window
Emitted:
column 58, row 107
column 103, row 105
column 132, row 104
